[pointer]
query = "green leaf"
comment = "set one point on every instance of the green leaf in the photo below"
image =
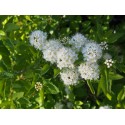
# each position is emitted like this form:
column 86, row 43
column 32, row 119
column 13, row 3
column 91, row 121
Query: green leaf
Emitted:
column 91, row 87
column 121, row 94
column 104, row 85
column 2, row 33
column 114, row 37
column 51, row 88
column 9, row 45
column 71, row 97
column 99, row 32
column 114, row 76
column 7, row 74
column 109, row 96
column 9, row 27
column 78, row 103
column 1, row 85
column 18, row 95
column 99, row 88
column 120, row 67
column 45, row 69
column 56, row 72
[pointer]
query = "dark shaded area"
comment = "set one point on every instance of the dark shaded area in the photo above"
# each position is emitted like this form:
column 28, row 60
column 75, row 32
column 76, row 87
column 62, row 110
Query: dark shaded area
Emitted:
column 117, row 19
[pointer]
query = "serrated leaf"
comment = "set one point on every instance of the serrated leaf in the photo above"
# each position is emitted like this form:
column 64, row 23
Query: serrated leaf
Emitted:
column 114, row 76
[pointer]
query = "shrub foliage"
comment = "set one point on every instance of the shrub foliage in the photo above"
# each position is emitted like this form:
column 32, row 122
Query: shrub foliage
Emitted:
column 29, row 81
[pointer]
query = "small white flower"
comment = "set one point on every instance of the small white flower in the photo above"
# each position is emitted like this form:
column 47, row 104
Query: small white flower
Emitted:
column 50, row 50
column 104, row 45
column 109, row 62
column 92, row 52
column 105, row 107
column 38, row 86
column 89, row 71
column 114, row 31
column 69, row 76
column 77, row 41
column 107, row 56
column 37, row 39
column 66, row 58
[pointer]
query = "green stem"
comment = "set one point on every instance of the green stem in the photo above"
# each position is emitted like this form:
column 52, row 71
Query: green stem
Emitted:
column 41, row 96
column 91, row 87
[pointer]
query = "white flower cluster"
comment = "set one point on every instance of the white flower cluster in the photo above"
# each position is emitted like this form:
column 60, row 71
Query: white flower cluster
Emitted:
column 77, row 41
column 50, row 51
column 92, row 52
column 38, row 86
column 55, row 52
column 38, row 39
column 69, row 76
column 66, row 58
column 104, row 45
column 109, row 62
column 89, row 71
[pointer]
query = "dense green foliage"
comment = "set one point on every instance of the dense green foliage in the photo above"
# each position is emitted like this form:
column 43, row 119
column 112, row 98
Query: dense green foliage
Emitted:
column 21, row 65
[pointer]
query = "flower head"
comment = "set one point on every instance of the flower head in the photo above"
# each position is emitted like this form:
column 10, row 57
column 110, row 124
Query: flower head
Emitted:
column 109, row 62
column 89, row 71
column 69, row 76
column 66, row 58
column 77, row 41
column 50, row 51
column 38, row 86
column 104, row 45
column 92, row 52
column 37, row 39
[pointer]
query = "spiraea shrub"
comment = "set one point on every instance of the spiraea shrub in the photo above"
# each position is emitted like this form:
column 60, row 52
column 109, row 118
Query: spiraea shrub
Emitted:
column 67, row 62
